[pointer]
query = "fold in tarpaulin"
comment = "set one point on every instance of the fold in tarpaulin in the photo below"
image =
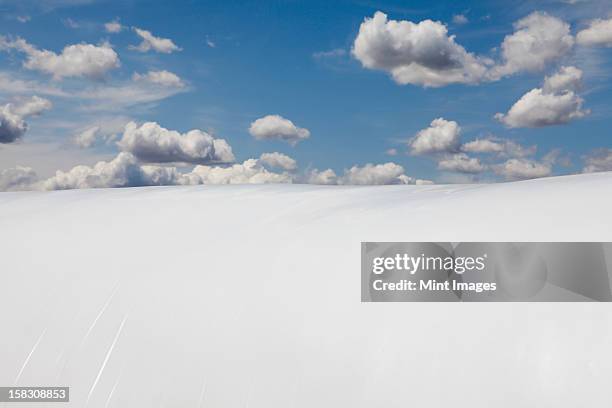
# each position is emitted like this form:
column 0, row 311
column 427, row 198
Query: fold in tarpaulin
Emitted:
column 249, row 296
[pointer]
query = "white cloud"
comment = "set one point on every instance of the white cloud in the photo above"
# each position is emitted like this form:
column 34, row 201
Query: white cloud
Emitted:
column 125, row 170
column 77, row 60
column 388, row 173
column 600, row 160
column 421, row 182
column 420, row 54
column 554, row 104
column 325, row 177
column 162, row 78
column 483, row 146
column 249, row 172
column 104, row 129
column 538, row 109
column 501, row 147
column 277, row 127
column 567, row 79
column 598, row 33
column 461, row 163
column 278, row 160
column 370, row 174
column 539, row 39
column 17, row 178
column 210, row 42
column 122, row 171
column 153, row 143
column 32, row 106
column 87, row 137
column 520, row 169
column 12, row 115
column 113, row 27
column 151, row 42
column 23, row 19
column 441, row 136
column 460, row 19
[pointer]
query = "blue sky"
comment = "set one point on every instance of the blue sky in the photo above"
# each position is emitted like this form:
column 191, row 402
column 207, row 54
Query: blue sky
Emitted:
column 240, row 61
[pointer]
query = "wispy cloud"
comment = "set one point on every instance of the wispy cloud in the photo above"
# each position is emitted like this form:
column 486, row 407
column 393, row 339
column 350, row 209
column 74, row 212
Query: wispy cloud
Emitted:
column 14, row 84
column 336, row 52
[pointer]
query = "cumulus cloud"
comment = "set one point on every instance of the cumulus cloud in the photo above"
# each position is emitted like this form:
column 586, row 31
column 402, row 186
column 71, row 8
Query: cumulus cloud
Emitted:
column 77, row 60
column 554, row 104
column 521, row 169
column 32, row 106
column 370, row 174
column 163, row 78
column 537, row 109
column 442, row 136
column 105, row 129
column 325, row 177
column 151, row 42
column 425, row 54
column 17, row 178
column 249, row 172
column 483, row 146
column 122, row 171
column 498, row 146
column 277, row 127
column 539, row 39
column 415, row 53
column 278, row 160
column 388, row 173
column 12, row 127
column 113, row 27
column 12, row 115
column 461, row 163
column 600, row 160
column 125, row 170
column 598, row 34
column 566, row 79
column 87, row 137
column 152, row 143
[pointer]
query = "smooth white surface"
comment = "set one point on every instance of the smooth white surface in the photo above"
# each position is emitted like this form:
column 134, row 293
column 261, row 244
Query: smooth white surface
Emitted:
column 248, row 296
